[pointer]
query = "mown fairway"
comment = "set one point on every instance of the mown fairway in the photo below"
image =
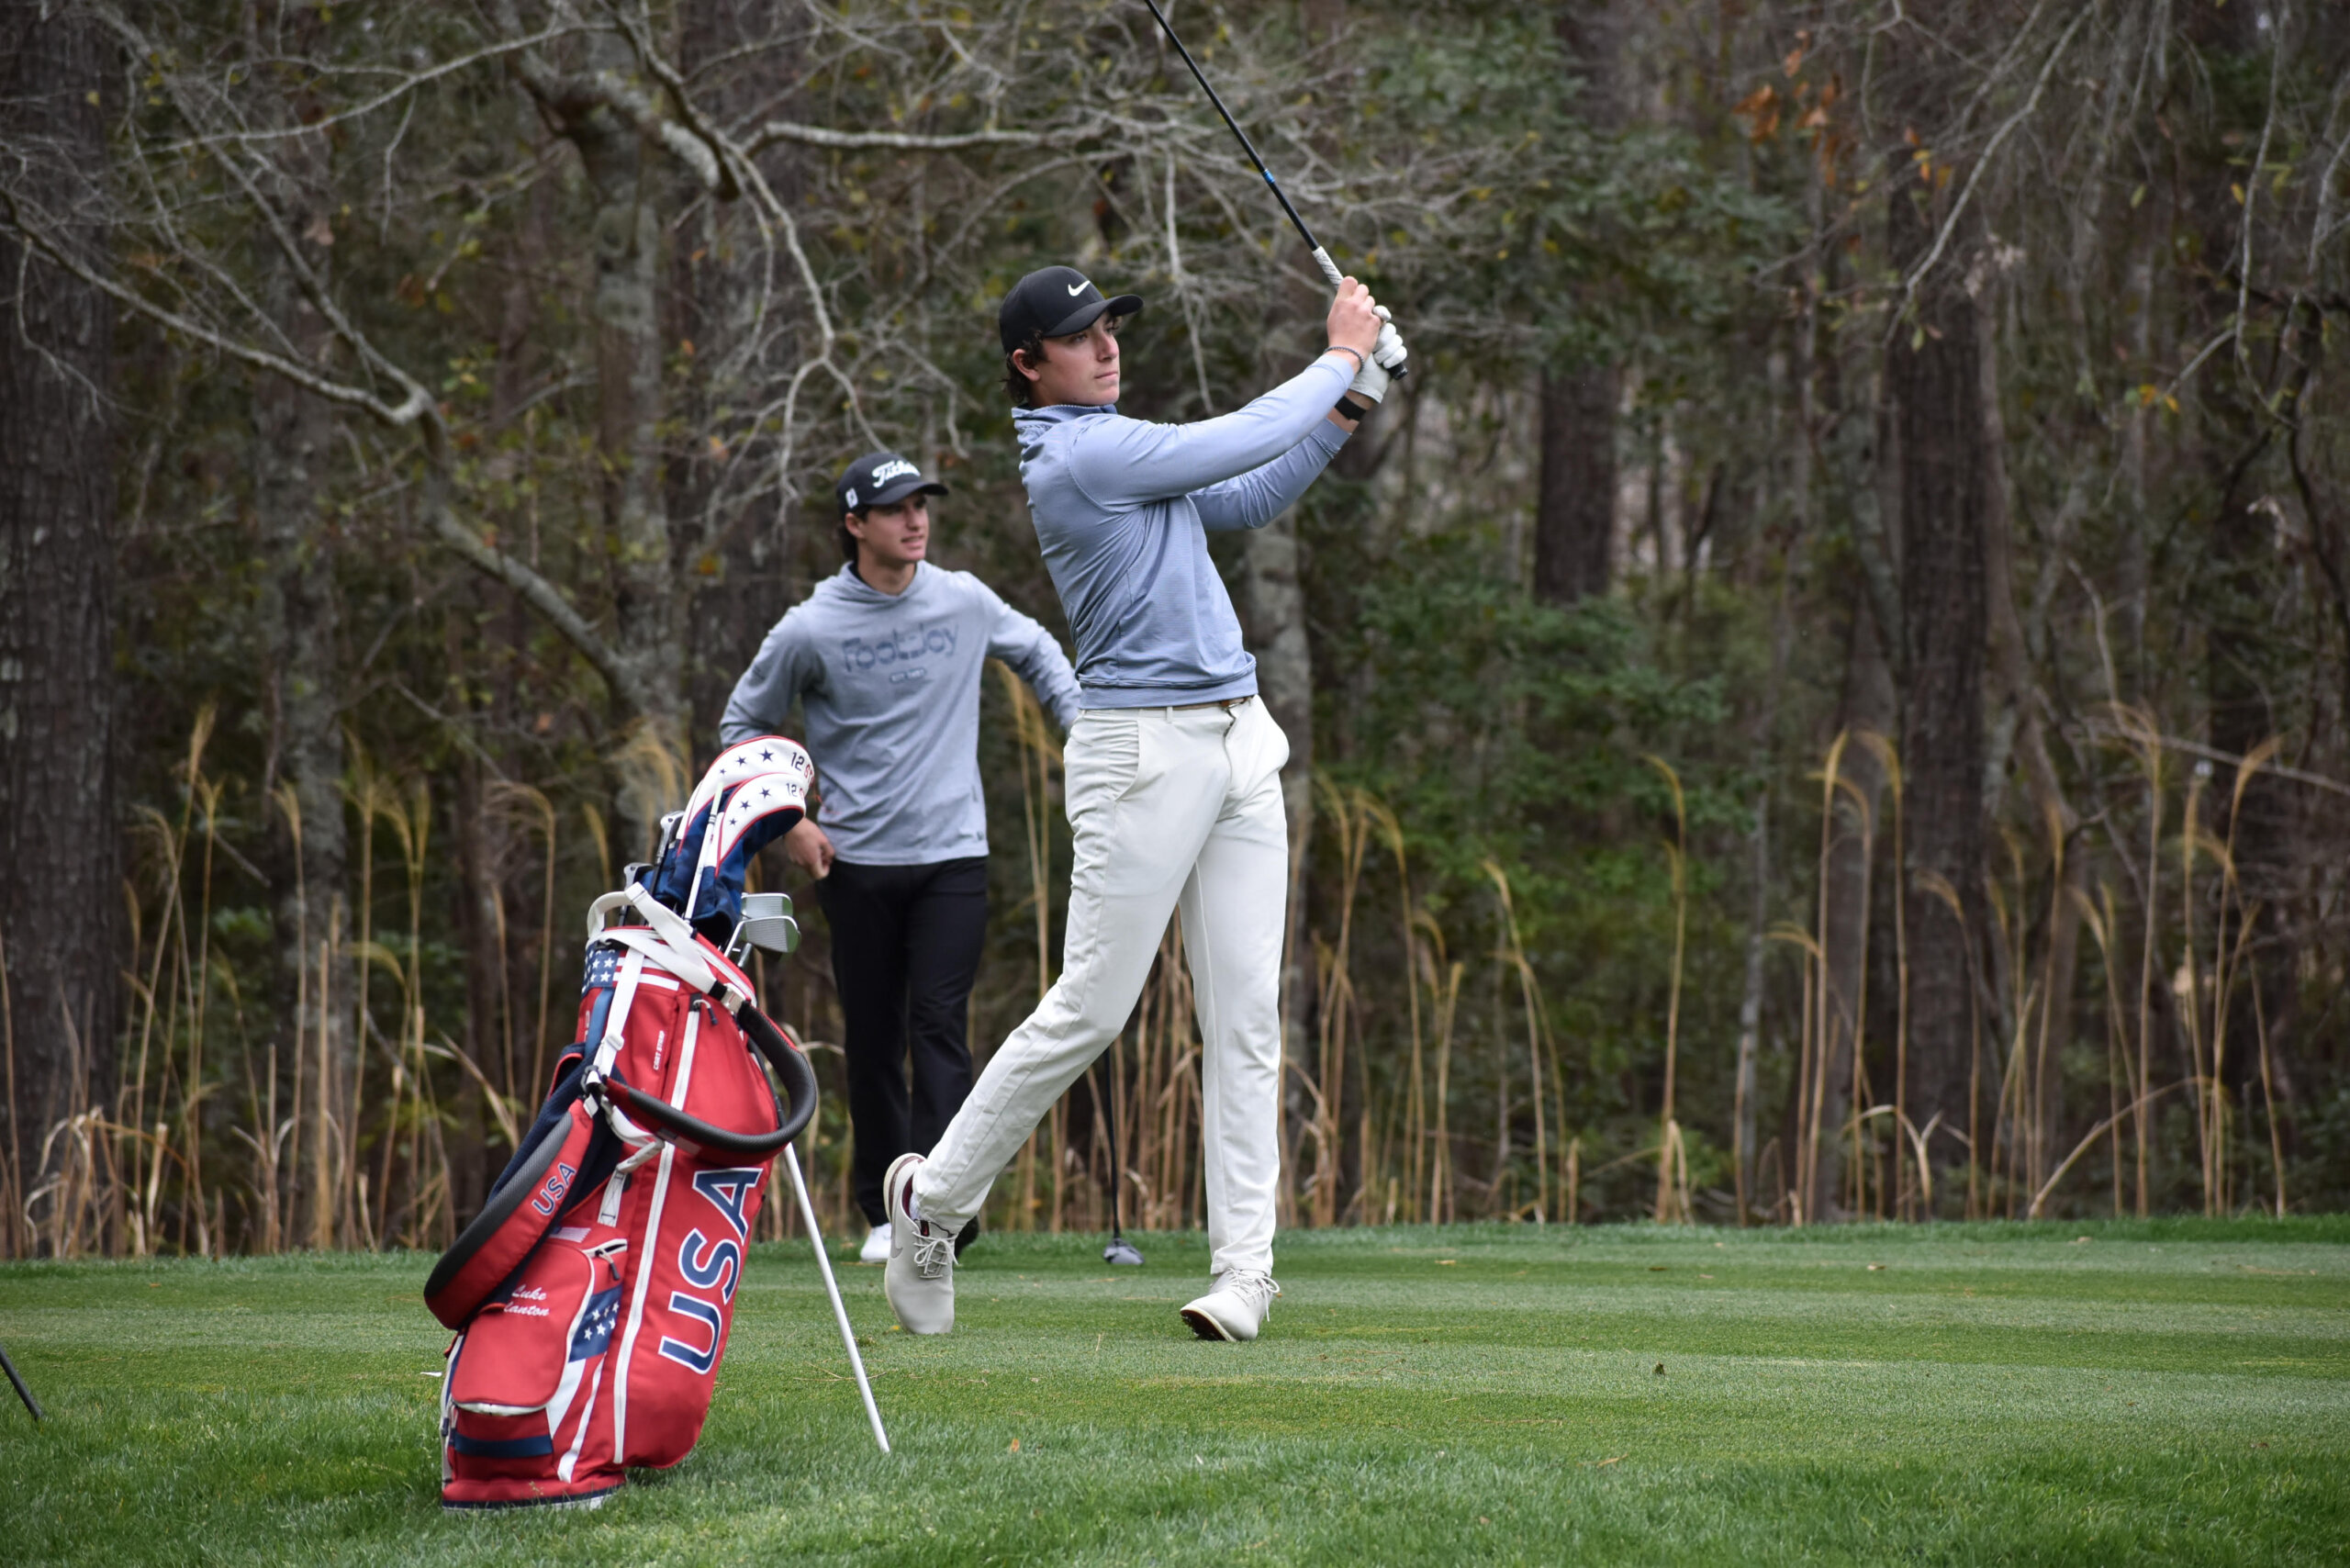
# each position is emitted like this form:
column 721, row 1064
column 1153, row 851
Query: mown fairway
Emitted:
column 2178, row 1392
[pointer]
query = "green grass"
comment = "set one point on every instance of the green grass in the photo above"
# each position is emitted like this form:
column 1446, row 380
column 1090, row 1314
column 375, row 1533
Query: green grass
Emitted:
column 2175, row 1391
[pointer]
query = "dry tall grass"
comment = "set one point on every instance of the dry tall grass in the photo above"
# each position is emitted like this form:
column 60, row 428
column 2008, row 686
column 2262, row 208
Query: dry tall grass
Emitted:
column 332, row 1129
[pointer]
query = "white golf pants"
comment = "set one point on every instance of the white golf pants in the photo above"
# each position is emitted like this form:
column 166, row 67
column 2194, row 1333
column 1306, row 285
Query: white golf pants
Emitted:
column 1167, row 808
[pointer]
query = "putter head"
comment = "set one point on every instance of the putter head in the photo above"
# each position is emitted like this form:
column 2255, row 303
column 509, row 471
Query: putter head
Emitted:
column 1121, row 1250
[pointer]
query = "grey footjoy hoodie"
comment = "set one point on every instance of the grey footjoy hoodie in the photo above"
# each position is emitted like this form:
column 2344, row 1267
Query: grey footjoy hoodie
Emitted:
column 890, row 687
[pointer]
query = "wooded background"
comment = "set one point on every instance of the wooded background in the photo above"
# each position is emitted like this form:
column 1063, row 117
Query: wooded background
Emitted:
column 1824, row 695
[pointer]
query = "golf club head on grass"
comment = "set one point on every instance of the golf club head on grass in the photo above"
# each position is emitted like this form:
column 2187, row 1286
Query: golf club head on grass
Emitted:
column 1121, row 1250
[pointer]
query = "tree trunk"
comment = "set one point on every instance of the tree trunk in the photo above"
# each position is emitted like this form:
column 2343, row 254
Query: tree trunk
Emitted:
column 1868, row 706
column 625, row 240
column 1574, row 508
column 2244, row 662
column 732, row 537
column 2049, row 1029
column 1796, row 484
column 2245, row 597
column 1575, row 512
column 1934, row 382
column 60, row 849
column 2132, row 573
column 1272, row 611
column 299, row 619
column 292, row 432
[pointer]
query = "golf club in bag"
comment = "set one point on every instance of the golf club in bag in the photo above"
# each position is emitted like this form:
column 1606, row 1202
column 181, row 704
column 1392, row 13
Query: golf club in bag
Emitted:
column 1389, row 350
column 593, row 1294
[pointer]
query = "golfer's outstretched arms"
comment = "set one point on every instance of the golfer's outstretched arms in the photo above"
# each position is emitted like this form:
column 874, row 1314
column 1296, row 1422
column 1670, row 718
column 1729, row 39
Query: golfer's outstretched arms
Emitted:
column 1121, row 464
column 786, row 666
column 1035, row 657
column 1255, row 498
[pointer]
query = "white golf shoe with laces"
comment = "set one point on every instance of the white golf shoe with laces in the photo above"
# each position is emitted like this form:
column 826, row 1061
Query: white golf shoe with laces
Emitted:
column 920, row 1279
column 1235, row 1306
column 876, row 1245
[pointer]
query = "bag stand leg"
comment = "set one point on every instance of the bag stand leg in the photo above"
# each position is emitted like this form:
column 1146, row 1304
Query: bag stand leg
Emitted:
column 34, row 1405
column 833, row 1289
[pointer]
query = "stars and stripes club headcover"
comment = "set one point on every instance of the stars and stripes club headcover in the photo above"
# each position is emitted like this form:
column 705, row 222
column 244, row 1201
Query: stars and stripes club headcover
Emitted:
column 755, row 793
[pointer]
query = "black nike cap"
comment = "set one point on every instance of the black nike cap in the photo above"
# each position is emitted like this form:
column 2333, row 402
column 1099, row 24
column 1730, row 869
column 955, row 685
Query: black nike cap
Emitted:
column 881, row 480
column 1055, row 302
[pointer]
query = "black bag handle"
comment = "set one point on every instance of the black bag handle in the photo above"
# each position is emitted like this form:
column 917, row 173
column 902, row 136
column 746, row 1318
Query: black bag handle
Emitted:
column 791, row 1064
column 799, row 1082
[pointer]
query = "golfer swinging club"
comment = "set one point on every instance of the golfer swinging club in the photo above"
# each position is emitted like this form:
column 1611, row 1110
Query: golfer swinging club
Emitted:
column 885, row 658
column 1174, row 772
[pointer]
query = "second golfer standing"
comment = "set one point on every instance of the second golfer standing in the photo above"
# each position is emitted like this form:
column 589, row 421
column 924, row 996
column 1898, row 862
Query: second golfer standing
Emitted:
column 1173, row 773
column 885, row 657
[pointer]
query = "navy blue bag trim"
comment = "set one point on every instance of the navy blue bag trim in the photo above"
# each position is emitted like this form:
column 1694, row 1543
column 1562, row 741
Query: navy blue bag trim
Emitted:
column 520, row 1179
column 501, row 1448
column 554, row 1110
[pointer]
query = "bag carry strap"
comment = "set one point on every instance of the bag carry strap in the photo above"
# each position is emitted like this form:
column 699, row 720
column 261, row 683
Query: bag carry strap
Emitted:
column 605, row 1048
column 671, row 943
column 667, row 939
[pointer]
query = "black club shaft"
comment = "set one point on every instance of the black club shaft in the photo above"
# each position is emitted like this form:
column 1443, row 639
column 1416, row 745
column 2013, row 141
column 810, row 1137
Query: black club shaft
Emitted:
column 1322, row 257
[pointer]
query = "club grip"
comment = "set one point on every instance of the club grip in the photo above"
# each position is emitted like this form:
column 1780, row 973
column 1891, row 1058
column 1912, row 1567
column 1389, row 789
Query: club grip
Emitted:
column 1337, row 279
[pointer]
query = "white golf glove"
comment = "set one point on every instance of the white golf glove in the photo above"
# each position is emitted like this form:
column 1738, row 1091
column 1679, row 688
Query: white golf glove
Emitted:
column 1389, row 353
column 1370, row 384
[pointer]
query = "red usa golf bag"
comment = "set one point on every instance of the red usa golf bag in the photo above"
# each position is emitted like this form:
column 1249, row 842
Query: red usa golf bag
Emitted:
column 593, row 1293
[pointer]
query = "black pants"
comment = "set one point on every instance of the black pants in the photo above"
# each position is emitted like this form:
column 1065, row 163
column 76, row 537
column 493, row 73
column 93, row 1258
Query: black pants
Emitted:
column 905, row 951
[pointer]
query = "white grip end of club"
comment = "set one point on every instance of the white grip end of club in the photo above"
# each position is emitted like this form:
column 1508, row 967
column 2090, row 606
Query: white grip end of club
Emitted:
column 1329, row 268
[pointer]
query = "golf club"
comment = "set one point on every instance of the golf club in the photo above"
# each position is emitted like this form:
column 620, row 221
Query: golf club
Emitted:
column 1387, row 336
column 1120, row 1250
column 767, row 925
column 34, row 1405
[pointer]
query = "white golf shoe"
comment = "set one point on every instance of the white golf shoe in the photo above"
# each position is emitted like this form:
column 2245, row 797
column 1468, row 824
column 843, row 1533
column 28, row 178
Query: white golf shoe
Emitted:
column 1235, row 1306
column 876, row 1245
column 920, row 1281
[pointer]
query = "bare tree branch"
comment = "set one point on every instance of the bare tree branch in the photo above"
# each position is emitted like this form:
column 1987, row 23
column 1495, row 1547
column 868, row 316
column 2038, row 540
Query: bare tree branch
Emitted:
column 776, row 131
column 37, row 238
column 1974, row 175
column 626, row 683
column 122, row 27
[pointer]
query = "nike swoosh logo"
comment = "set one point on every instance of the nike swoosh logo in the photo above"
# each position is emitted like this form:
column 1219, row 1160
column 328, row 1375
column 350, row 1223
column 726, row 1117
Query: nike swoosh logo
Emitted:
column 1076, row 289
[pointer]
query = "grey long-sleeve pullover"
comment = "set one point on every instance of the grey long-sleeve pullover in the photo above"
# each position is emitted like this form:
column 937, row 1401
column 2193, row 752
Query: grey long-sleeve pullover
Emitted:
column 890, row 687
column 1123, row 509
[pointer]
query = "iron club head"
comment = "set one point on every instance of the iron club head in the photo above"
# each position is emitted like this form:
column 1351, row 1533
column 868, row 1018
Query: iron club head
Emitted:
column 1121, row 1250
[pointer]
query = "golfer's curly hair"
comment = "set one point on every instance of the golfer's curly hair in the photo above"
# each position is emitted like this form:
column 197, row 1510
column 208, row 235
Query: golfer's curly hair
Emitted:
column 1017, row 386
